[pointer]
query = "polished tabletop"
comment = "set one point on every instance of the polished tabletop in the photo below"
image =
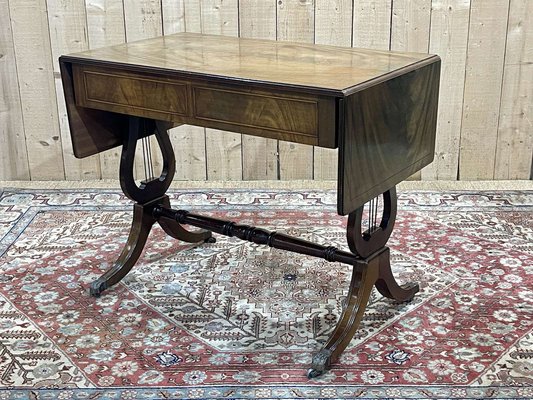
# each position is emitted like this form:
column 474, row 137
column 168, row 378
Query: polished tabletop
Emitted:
column 322, row 69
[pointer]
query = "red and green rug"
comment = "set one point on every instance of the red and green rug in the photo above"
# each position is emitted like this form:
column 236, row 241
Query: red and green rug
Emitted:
column 237, row 320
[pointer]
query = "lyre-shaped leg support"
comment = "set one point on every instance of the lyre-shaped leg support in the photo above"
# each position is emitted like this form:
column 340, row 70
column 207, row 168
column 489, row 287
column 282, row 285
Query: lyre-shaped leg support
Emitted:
column 371, row 267
column 148, row 195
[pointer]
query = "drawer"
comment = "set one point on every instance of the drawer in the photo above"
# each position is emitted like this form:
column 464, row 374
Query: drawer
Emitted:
column 265, row 112
column 130, row 93
column 274, row 113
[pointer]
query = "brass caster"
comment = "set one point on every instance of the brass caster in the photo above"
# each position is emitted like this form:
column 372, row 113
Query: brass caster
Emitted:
column 97, row 287
column 313, row 373
column 321, row 363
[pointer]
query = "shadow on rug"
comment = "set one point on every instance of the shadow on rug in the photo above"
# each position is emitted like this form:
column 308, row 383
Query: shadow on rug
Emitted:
column 237, row 320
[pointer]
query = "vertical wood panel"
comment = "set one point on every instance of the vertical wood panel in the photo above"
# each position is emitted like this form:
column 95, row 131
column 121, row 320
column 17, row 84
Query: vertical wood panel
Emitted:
column 223, row 149
column 410, row 25
column 189, row 146
column 188, row 141
column 13, row 154
column 68, row 28
column 193, row 16
column 257, row 19
column 105, row 27
column 449, row 39
column 296, row 23
column 68, row 34
column 33, row 54
column 333, row 25
column 143, row 20
column 224, row 156
column 515, row 130
column 484, row 128
column 483, row 84
column 220, row 17
column 372, row 24
column 105, row 22
column 191, row 158
column 173, row 16
column 333, row 22
column 410, row 31
column 296, row 20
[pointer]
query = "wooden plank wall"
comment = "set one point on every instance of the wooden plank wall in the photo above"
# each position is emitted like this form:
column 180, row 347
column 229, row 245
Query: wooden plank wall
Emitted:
column 484, row 127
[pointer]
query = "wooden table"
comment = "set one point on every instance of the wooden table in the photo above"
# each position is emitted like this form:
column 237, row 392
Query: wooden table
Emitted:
column 378, row 107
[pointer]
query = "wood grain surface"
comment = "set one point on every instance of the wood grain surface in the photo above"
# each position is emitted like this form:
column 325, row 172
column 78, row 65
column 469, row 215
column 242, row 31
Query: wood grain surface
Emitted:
column 66, row 20
column 296, row 23
column 92, row 131
column 389, row 135
column 410, row 25
column 257, row 19
column 290, row 116
column 106, row 27
column 120, row 92
column 333, row 22
column 188, row 141
column 449, row 38
column 37, row 90
column 486, row 49
column 14, row 158
column 279, row 114
column 223, row 149
column 515, row 130
column 318, row 69
column 372, row 24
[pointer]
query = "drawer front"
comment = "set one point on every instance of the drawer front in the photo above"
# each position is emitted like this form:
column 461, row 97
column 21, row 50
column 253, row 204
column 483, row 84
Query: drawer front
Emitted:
column 123, row 92
column 266, row 112
column 274, row 114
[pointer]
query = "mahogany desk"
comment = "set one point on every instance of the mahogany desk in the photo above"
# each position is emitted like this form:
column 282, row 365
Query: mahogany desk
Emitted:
column 378, row 107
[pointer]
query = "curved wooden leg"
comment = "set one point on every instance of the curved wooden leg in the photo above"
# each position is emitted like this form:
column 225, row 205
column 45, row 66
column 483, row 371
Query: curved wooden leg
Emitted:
column 149, row 194
column 140, row 228
column 364, row 275
column 177, row 231
column 372, row 267
column 387, row 285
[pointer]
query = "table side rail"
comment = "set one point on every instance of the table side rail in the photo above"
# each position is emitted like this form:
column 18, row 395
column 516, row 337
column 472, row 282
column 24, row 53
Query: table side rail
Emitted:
column 290, row 116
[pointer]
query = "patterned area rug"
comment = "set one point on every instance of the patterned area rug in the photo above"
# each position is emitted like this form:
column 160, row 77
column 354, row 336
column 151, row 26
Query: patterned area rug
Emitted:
column 237, row 320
